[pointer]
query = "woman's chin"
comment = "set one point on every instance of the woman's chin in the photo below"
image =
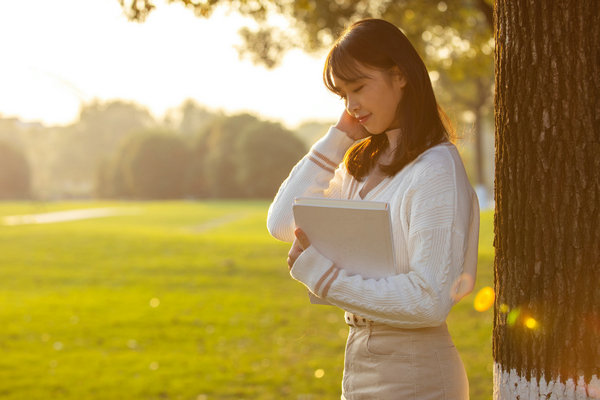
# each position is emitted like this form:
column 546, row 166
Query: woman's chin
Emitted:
column 372, row 130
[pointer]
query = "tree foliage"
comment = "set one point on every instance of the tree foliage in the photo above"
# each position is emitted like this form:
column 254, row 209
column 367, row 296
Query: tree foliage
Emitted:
column 265, row 153
column 149, row 165
column 314, row 24
column 15, row 175
column 248, row 157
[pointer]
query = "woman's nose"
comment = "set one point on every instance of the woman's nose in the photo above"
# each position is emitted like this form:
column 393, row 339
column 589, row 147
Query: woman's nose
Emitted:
column 352, row 106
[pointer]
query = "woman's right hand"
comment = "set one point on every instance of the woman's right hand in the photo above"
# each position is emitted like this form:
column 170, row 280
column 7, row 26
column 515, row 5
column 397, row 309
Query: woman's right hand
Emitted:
column 351, row 127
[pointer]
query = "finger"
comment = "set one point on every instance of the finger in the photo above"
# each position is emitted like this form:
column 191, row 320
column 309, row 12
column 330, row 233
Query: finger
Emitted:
column 302, row 238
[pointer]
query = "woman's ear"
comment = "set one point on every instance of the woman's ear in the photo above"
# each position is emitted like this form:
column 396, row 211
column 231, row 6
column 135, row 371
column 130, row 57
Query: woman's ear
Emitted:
column 398, row 77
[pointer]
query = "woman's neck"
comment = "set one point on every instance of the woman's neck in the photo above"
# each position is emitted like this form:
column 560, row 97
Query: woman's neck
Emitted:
column 393, row 136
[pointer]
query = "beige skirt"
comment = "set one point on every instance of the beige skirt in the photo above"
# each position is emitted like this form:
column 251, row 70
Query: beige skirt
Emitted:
column 386, row 363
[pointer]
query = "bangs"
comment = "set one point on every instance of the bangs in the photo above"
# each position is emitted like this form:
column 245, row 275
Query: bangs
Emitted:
column 341, row 64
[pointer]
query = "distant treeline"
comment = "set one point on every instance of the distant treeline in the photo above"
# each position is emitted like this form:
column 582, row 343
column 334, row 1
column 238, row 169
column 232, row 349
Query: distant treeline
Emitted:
column 118, row 150
column 234, row 157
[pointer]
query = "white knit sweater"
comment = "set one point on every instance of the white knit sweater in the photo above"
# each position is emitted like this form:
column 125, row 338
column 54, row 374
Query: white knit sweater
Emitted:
column 435, row 227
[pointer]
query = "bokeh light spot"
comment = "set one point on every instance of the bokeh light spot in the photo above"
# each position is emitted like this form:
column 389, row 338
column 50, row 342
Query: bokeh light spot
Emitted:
column 504, row 308
column 531, row 323
column 319, row 373
column 153, row 366
column 512, row 316
column 154, row 302
column 484, row 299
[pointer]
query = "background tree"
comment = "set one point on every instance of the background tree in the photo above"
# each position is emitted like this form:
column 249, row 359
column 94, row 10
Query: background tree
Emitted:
column 220, row 164
column 196, row 180
column 76, row 151
column 156, row 166
column 111, row 179
column 189, row 118
column 547, row 265
column 15, row 179
column 265, row 153
column 454, row 37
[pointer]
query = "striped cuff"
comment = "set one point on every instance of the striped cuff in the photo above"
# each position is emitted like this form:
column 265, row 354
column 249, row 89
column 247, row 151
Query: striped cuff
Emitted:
column 315, row 271
column 322, row 161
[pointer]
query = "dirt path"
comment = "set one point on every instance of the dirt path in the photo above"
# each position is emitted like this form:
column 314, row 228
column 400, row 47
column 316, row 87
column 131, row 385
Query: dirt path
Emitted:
column 68, row 215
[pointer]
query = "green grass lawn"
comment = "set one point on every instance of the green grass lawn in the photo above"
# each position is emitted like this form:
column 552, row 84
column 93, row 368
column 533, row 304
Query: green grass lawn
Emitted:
column 179, row 300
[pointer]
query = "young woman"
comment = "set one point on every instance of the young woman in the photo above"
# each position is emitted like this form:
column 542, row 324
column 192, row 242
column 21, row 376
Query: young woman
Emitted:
column 392, row 144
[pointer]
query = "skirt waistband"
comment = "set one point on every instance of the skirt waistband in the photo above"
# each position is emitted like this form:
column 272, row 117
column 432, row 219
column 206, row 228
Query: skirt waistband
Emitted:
column 356, row 321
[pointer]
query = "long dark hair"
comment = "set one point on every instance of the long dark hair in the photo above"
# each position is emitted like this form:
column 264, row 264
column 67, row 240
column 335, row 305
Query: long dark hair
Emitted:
column 379, row 44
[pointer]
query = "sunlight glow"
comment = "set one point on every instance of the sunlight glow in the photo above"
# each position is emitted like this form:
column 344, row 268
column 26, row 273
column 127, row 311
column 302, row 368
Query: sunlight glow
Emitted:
column 77, row 59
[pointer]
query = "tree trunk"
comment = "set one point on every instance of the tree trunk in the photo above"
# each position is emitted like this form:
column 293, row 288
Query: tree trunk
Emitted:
column 547, row 191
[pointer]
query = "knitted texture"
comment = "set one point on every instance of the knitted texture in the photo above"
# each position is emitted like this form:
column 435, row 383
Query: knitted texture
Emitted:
column 433, row 210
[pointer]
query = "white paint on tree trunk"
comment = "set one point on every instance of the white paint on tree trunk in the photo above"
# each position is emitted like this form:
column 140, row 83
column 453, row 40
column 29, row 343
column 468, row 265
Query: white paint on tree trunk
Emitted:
column 509, row 385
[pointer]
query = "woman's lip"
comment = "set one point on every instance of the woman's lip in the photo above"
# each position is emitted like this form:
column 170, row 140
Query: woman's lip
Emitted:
column 363, row 119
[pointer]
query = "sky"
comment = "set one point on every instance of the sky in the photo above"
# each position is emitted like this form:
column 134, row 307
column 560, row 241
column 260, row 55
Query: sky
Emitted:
column 57, row 55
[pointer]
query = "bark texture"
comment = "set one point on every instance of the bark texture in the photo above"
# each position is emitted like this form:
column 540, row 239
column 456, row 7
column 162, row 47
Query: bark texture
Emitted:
column 547, row 189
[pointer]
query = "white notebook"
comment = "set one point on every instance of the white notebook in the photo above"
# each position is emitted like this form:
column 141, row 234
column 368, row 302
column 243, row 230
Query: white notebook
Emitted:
column 355, row 234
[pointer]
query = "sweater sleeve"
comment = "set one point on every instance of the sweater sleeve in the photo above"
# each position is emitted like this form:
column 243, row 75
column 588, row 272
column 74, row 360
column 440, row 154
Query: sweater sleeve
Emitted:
column 318, row 174
column 436, row 246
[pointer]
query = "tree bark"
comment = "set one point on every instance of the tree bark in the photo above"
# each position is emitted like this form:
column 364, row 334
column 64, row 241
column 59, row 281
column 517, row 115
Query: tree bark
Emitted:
column 547, row 192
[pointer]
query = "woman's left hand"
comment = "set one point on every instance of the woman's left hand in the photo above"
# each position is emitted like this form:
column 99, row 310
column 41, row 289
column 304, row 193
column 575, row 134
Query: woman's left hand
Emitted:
column 300, row 244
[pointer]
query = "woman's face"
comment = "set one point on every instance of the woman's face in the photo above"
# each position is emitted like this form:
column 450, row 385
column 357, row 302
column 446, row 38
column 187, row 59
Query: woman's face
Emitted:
column 373, row 97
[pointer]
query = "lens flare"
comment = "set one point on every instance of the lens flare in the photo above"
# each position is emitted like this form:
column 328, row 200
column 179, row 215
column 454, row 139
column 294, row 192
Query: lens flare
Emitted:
column 484, row 299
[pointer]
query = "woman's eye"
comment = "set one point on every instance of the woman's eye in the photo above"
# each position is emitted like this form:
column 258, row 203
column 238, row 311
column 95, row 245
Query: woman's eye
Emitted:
column 358, row 88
